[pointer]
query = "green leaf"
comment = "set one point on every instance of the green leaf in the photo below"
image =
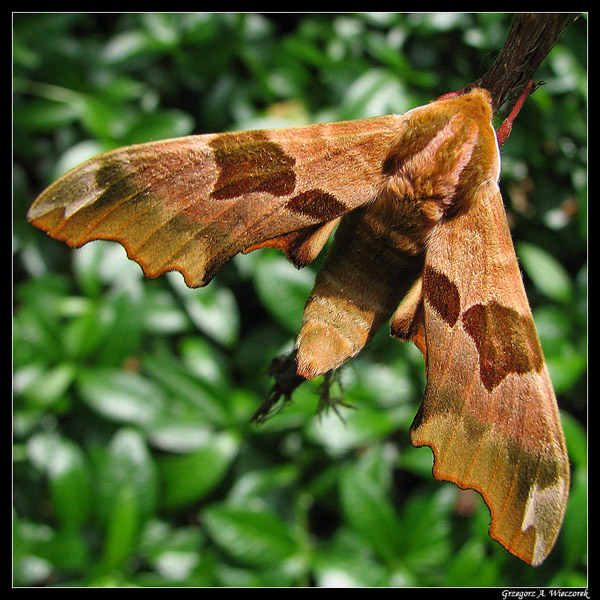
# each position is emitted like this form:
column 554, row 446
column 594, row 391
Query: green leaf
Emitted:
column 548, row 275
column 282, row 289
column 47, row 387
column 200, row 358
column 566, row 367
column 126, row 45
column 122, row 528
column 556, row 326
column 37, row 332
column 360, row 425
column 126, row 465
column 69, row 477
column 105, row 120
column 188, row 478
column 122, row 396
column 471, row 567
column 101, row 263
column 254, row 485
column 367, row 507
column 123, row 329
column 39, row 551
column 348, row 561
column 577, row 442
column 374, row 93
column 574, row 534
column 85, row 333
column 202, row 402
column 45, row 115
column 418, row 461
column 166, row 124
column 175, row 553
column 68, row 549
column 213, row 310
column 251, row 537
column 425, row 529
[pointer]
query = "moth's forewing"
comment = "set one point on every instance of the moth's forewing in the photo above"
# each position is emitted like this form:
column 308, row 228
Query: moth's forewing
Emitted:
column 191, row 203
column 489, row 411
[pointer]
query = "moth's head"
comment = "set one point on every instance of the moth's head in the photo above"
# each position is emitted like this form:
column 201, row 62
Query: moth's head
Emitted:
column 477, row 102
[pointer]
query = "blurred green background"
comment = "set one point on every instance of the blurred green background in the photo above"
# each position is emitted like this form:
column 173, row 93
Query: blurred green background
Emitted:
column 134, row 459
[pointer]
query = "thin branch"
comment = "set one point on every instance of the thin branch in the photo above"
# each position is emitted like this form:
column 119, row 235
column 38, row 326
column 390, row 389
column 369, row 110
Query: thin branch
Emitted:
column 529, row 40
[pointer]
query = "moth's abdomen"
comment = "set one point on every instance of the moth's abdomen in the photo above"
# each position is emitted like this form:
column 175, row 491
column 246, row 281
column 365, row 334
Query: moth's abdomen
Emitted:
column 361, row 283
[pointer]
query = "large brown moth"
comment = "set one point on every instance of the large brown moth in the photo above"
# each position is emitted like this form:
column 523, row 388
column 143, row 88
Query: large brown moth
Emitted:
column 422, row 240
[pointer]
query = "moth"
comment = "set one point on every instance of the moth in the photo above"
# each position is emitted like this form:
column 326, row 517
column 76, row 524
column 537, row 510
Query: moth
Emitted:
column 422, row 241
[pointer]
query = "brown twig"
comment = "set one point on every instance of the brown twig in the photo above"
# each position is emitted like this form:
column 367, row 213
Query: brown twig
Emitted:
column 529, row 40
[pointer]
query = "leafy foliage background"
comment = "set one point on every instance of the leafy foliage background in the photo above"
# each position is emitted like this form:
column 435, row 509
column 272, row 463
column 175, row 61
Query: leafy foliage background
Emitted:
column 134, row 460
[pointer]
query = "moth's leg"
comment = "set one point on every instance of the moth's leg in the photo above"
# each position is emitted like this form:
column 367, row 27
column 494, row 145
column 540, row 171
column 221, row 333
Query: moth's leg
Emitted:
column 506, row 127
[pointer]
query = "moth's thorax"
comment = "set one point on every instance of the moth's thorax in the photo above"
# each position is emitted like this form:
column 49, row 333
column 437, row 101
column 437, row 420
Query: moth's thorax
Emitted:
column 433, row 169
